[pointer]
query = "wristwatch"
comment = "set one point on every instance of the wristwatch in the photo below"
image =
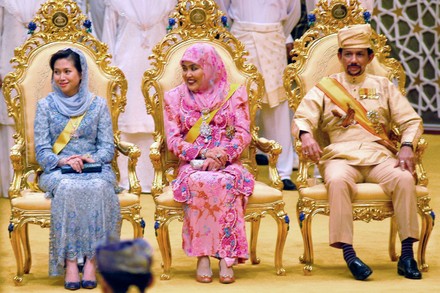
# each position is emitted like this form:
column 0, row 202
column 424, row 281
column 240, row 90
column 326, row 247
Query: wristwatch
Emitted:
column 407, row 143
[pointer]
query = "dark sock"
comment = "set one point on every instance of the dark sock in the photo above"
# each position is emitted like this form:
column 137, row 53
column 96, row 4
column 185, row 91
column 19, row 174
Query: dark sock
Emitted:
column 349, row 253
column 407, row 249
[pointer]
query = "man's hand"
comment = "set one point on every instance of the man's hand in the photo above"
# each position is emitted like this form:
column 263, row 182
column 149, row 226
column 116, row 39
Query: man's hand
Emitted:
column 310, row 148
column 405, row 159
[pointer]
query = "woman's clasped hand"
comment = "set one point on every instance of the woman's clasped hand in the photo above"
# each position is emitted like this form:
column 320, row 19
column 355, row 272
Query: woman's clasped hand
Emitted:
column 76, row 162
column 216, row 159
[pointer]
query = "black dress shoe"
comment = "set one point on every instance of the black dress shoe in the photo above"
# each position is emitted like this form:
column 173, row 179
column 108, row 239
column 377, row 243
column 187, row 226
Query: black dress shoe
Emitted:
column 261, row 160
column 359, row 269
column 86, row 284
column 72, row 285
column 408, row 268
column 288, row 184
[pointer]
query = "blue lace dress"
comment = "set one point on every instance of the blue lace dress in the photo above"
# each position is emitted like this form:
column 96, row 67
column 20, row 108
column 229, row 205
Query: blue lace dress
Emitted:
column 85, row 207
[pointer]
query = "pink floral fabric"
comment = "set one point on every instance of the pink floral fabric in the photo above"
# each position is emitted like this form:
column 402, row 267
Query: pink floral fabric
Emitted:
column 214, row 201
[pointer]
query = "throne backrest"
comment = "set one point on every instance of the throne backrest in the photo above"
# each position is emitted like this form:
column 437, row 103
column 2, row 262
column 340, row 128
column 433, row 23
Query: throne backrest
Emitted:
column 195, row 21
column 314, row 55
column 57, row 25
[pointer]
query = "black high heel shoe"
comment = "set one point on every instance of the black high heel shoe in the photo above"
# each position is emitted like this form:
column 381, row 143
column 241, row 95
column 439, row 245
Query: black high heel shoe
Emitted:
column 87, row 284
column 72, row 285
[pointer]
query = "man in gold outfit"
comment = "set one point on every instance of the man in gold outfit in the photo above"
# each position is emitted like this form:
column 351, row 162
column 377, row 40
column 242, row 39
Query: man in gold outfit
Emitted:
column 355, row 110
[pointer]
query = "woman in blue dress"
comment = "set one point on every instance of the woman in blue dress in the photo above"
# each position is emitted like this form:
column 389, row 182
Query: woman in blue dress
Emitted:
column 85, row 207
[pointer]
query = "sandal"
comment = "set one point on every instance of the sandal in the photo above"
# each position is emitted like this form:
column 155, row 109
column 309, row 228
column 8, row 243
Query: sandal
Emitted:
column 225, row 278
column 204, row 278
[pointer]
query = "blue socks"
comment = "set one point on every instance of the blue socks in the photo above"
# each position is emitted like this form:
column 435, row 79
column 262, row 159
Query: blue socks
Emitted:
column 349, row 253
column 407, row 249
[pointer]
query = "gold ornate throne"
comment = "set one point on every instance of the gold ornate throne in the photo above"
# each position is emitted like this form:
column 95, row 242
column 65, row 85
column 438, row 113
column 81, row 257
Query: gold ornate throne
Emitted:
column 315, row 56
column 57, row 25
column 201, row 21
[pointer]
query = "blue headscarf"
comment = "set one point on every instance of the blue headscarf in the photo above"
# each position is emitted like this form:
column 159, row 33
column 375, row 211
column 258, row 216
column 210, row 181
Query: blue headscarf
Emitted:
column 79, row 103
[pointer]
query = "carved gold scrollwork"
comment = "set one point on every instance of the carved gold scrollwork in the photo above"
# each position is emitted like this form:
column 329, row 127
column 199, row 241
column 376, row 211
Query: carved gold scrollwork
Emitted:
column 318, row 40
column 58, row 23
column 200, row 21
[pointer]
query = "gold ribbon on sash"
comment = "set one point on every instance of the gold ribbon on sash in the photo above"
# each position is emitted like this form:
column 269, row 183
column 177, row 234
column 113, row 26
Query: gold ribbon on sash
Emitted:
column 344, row 100
column 194, row 132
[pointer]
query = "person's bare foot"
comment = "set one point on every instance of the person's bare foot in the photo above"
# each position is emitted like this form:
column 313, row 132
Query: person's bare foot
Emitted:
column 72, row 273
column 89, row 271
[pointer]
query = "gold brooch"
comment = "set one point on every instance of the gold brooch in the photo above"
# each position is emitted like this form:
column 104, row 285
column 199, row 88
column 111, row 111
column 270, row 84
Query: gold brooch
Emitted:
column 373, row 117
column 230, row 132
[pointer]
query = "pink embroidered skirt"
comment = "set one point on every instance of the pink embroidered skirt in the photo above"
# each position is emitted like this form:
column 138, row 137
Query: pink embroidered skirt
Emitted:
column 214, row 218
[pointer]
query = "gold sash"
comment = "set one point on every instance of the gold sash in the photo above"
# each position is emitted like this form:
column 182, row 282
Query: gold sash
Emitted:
column 194, row 132
column 344, row 100
column 65, row 135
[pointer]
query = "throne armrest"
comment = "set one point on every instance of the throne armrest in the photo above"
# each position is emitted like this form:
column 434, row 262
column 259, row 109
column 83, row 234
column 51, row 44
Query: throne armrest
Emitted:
column 422, row 179
column 419, row 150
column 156, row 160
column 273, row 150
column 133, row 153
column 16, row 156
column 303, row 179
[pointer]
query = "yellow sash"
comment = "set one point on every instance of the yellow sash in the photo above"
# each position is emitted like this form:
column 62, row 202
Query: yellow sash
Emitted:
column 194, row 132
column 65, row 135
column 344, row 100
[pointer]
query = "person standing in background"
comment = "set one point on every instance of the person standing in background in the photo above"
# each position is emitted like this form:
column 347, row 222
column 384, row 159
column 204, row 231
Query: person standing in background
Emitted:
column 141, row 24
column 14, row 18
column 96, row 10
column 264, row 28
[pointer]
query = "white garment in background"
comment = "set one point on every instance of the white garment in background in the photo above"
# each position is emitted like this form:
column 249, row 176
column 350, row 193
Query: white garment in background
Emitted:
column 97, row 13
column 131, row 29
column 15, row 16
column 264, row 15
column 367, row 4
column 286, row 12
column 85, row 6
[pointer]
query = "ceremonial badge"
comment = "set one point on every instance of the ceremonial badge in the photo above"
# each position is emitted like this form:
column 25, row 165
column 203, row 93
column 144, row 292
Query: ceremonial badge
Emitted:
column 368, row 93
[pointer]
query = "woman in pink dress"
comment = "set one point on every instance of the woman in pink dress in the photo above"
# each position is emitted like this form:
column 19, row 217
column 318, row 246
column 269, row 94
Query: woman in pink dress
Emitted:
column 212, row 183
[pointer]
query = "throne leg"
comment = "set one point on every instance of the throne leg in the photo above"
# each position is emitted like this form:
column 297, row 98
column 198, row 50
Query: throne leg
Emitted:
column 138, row 227
column 425, row 233
column 255, row 228
column 163, row 239
column 24, row 235
column 306, row 233
column 280, row 218
column 16, row 247
column 392, row 242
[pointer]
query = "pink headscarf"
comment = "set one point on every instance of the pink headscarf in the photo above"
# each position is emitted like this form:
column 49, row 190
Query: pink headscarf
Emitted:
column 215, row 84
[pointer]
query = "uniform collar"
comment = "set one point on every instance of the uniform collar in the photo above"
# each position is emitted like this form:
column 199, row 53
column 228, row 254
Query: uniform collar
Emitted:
column 356, row 79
